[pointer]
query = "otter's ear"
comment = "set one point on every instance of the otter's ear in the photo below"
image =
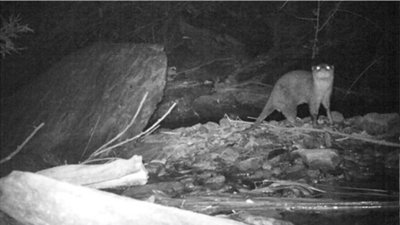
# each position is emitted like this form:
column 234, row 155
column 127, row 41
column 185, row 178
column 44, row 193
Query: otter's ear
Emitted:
column 313, row 68
column 332, row 67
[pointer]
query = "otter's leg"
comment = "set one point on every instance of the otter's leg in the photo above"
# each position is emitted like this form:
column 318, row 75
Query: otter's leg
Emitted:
column 327, row 104
column 314, row 109
column 290, row 112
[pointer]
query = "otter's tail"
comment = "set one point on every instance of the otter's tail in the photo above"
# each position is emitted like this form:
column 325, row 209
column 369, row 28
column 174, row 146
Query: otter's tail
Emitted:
column 268, row 109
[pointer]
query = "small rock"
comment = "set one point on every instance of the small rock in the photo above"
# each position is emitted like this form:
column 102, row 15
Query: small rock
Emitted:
column 224, row 123
column 277, row 153
column 328, row 139
column 211, row 126
column 337, row 117
column 312, row 142
column 156, row 168
column 215, row 182
column 211, row 179
column 261, row 175
column 229, row 156
column 276, row 171
column 267, row 165
column 204, row 165
column 170, row 188
column 313, row 174
column 203, row 130
column 250, row 164
column 324, row 159
column 188, row 183
column 296, row 172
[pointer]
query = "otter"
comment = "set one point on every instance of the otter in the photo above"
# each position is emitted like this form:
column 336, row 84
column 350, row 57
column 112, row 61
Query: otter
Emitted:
column 298, row 87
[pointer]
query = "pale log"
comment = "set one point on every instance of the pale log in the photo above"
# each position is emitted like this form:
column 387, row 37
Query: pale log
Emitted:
column 35, row 199
column 121, row 172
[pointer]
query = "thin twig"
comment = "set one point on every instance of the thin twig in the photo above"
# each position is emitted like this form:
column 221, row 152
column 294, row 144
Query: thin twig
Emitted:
column 108, row 159
column 356, row 137
column 315, row 47
column 152, row 128
column 283, row 5
column 126, row 128
column 161, row 119
column 90, row 138
column 363, row 17
column 148, row 131
column 302, row 18
column 19, row 148
column 362, row 73
column 333, row 12
column 204, row 64
column 293, row 183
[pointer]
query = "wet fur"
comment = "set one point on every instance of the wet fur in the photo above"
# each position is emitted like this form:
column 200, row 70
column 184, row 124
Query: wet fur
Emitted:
column 298, row 87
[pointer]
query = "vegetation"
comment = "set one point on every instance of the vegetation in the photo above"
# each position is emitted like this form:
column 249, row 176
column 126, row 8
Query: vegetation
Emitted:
column 361, row 38
column 10, row 29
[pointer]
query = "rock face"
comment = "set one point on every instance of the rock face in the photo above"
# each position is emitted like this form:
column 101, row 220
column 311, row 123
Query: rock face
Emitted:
column 85, row 100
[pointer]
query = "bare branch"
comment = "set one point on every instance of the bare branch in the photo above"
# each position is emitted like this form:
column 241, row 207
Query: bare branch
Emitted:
column 332, row 13
column 362, row 73
column 283, row 5
column 148, row 131
column 361, row 16
column 315, row 47
column 91, row 136
column 19, row 148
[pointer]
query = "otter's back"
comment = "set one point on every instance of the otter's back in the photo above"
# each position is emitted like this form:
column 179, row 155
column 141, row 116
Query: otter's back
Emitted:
column 294, row 87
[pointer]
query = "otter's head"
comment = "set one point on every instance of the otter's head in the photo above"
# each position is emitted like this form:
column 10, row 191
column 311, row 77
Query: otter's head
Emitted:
column 323, row 71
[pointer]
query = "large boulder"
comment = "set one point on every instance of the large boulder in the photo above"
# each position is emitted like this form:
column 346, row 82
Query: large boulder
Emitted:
column 84, row 100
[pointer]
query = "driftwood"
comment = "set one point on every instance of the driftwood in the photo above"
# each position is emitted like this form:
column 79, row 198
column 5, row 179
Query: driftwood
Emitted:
column 34, row 199
column 217, row 203
column 352, row 136
column 121, row 172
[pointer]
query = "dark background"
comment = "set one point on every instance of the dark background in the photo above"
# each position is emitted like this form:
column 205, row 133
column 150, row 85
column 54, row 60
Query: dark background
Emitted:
column 360, row 38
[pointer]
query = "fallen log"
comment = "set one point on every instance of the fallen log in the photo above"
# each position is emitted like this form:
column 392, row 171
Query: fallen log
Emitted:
column 35, row 199
column 214, row 203
column 121, row 172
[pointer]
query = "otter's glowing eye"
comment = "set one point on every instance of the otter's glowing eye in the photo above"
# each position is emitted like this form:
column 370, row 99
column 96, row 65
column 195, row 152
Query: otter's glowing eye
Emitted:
column 328, row 67
column 318, row 68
